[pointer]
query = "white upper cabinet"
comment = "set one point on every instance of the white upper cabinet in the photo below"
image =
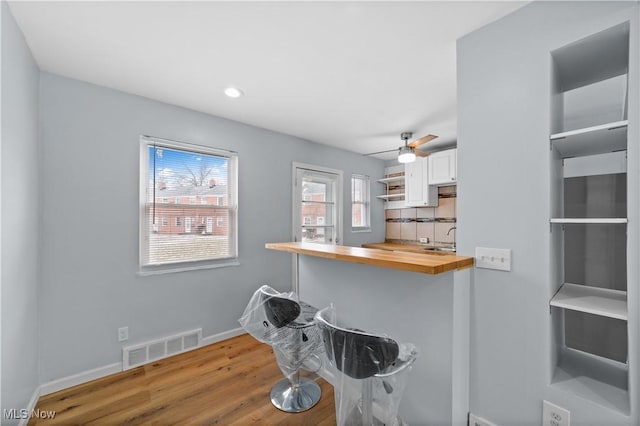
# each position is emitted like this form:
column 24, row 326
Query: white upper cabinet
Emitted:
column 417, row 191
column 442, row 167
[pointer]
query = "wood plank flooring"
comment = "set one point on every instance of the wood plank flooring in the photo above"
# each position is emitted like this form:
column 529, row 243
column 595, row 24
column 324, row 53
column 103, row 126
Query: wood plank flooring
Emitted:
column 226, row 383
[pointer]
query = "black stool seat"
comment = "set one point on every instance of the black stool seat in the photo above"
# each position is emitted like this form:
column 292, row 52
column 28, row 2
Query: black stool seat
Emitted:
column 375, row 361
column 285, row 312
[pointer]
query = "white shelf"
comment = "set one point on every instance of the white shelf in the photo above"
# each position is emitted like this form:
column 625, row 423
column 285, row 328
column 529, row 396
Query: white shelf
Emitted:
column 597, row 379
column 388, row 196
column 391, row 179
column 592, row 300
column 607, row 137
column 592, row 129
column 589, row 220
column 390, row 205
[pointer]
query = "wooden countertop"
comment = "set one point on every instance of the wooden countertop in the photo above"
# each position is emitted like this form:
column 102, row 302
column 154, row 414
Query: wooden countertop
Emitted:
column 413, row 248
column 415, row 262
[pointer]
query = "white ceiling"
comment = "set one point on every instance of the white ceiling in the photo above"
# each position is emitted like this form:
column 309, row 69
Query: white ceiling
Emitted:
column 348, row 74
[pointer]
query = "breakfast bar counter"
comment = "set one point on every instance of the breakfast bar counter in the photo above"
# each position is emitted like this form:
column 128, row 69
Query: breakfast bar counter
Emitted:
column 426, row 263
column 419, row 298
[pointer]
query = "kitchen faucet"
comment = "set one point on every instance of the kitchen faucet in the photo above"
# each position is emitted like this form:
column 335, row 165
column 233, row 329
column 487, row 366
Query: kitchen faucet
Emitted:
column 454, row 240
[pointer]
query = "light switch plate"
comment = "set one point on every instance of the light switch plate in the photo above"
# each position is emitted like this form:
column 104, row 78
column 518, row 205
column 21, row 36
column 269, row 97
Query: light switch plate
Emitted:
column 493, row 258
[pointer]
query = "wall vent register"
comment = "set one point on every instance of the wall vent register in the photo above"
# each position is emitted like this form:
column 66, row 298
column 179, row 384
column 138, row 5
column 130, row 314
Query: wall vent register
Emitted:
column 153, row 350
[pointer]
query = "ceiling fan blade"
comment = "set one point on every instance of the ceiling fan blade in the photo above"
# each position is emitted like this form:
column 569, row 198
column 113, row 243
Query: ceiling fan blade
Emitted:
column 381, row 152
column 420, row 153
column 422, row 141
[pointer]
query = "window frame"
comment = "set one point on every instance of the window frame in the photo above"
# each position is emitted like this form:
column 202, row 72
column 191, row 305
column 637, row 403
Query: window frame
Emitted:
column 146, row 268
column 333, row 177
column 365, row 202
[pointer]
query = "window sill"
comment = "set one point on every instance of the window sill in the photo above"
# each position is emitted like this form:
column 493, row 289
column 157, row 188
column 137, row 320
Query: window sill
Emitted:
column 171, row 270
column 360, row 230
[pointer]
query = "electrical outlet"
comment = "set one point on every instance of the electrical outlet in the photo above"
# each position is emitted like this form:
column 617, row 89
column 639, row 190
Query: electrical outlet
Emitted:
column 424, row 240
column 479, row 421
column 552, row 415
column 123, row 334
column 493, row 258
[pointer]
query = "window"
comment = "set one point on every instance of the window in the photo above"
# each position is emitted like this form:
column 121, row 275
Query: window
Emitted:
column 360, row 205
column 183, row 172
column 317, row 207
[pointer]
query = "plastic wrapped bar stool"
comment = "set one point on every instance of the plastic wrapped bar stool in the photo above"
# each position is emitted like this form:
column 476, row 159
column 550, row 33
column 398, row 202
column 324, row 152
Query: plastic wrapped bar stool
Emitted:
column 288, row 325
column 374, row 368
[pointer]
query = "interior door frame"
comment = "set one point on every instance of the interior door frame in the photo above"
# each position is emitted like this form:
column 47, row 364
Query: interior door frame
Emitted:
column 295, row 198
column 295, row 206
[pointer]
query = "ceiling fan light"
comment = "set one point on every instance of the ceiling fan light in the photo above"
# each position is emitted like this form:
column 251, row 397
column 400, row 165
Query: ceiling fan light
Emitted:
column 406, row 155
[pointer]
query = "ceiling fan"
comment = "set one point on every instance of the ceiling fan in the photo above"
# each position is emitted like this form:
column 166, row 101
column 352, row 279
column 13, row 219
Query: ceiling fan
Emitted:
column 408, row 152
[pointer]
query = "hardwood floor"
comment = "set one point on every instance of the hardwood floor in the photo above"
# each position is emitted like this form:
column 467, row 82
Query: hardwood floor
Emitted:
column 224, row 383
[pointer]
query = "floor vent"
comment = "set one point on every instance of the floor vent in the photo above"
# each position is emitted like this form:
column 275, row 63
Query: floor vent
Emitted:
column 142, row 353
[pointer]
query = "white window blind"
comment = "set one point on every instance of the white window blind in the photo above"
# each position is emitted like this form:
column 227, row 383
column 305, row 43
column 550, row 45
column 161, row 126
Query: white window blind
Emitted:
column 172, row 176
column 360, row 203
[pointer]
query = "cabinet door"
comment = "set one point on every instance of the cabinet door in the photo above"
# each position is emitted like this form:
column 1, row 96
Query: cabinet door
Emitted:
column 417, row 192
column 442, row 167
column 413, row 183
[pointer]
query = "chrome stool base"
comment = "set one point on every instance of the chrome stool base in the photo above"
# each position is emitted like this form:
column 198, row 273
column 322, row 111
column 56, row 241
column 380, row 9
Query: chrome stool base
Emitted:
column 294, row 399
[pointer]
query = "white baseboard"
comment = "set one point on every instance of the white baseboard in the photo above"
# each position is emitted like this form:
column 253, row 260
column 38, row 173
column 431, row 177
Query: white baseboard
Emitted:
column 31, row 406
column 215, row 338
column 107, row 370
column 79, row 378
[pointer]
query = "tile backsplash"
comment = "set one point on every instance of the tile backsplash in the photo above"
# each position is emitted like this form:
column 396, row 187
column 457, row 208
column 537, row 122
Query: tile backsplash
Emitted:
column 435, row 223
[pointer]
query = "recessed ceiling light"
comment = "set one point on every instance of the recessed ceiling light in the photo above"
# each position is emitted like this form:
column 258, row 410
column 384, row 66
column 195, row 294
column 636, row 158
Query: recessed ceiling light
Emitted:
column 233, row 92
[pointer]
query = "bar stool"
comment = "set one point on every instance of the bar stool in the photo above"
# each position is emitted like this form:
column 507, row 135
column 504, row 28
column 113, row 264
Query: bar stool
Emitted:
column 374, row 371
column 289, row 327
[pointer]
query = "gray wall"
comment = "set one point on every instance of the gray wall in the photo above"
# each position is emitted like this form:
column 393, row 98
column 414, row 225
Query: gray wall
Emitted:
column 503, row 201
column 90, row 286
column 20, row 217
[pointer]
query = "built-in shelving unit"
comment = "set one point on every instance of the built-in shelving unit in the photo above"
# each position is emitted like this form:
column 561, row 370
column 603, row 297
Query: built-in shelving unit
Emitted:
column 393, row 180
column 588, row 143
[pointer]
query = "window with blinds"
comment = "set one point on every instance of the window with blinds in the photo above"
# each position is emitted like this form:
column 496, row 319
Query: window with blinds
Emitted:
column 188, row 206
column 360, row 204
